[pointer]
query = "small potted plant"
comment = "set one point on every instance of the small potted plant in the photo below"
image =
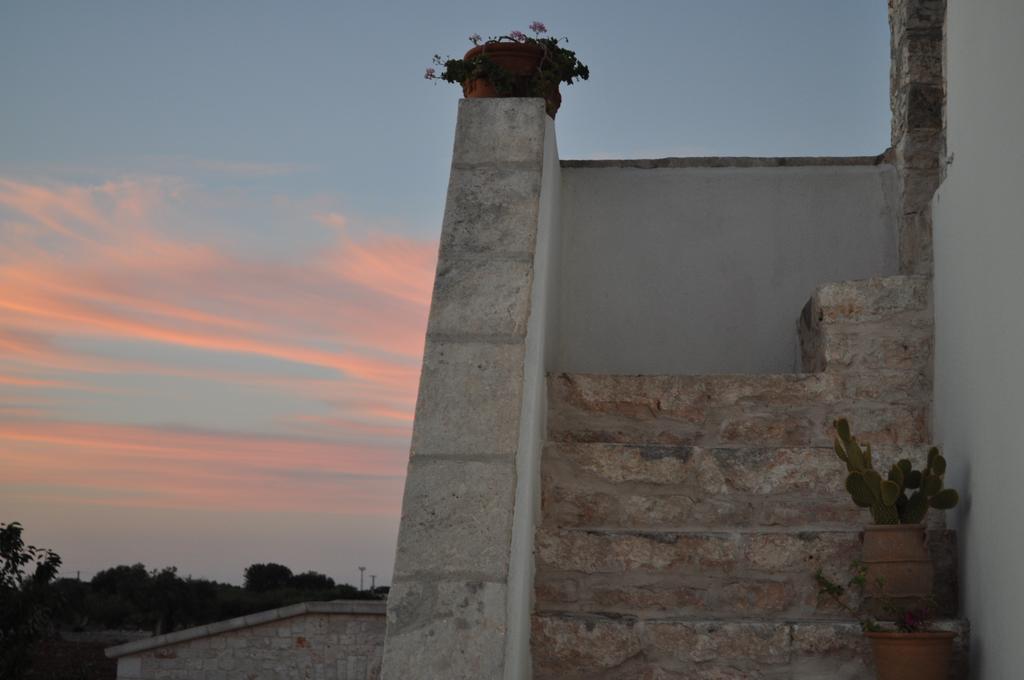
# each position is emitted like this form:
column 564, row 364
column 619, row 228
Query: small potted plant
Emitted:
column 895, row 545
column 905, row 649
column 513, row 65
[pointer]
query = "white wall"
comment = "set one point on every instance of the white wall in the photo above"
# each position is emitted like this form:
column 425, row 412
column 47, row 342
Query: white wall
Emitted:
column 705, row 269
column 979, row 315
column 541, row 339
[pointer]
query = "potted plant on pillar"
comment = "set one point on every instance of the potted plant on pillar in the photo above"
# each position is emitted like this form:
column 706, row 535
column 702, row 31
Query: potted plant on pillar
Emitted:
column 514, row 65
column 895, row 547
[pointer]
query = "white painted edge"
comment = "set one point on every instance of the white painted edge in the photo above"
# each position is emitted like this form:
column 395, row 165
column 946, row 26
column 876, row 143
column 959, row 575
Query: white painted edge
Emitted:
column 362, row 607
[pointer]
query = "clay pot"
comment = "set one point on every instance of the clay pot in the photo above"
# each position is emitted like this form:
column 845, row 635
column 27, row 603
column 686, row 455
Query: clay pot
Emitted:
column 478, row 88
column 519, row 59
column 897, row 554
column 912, row 656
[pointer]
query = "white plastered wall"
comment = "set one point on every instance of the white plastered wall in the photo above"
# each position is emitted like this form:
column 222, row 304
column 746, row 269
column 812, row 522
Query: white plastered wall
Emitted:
column 979, row 315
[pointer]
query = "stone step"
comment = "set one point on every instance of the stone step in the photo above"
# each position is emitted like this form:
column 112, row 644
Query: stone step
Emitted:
column 601, row 485
column 593, row 647
column 735, row 410
column 711, row 574
column 882, row 324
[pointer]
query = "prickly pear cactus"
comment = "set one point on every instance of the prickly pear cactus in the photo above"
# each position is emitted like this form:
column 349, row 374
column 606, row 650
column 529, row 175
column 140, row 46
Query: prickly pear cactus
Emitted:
column 887, row 499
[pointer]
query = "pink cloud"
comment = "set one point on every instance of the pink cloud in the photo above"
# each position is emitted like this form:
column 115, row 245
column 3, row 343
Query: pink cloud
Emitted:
column 88, row 267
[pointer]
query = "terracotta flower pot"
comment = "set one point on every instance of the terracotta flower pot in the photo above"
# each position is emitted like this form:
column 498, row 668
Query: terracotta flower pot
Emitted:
column 478, row 88
column 898, row 555
column 519, row 59
column 912, row 656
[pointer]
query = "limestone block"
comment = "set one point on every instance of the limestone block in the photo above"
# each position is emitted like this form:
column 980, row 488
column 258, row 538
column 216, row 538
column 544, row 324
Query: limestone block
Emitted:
column 470, row 399
column 578, row 647
column 916, row 242
column 795, row 552
column 916, row 15
column 920, row 149
column 456, row 518
column 492, row 209
column 918, row 188
column 622, row 551
column 129, row 668
column 760, row 643
column 503, row 131
column 918, row 58
column 442, row 629
column 873, row 299
column 481, row 297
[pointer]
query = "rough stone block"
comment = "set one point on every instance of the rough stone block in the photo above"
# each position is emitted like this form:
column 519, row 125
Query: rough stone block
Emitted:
column 916, row 242
column 801, row 552
column 481, row 297
column 595, row 551
column 921, row 149
column 924, row 106
column 749, row 643
column 446, row 630
column 917, row 58
column 470, row 399
column 492, row 209
column 580, row 648
column 916, row 15
column 873, row 299
column 500, row 131
column 456, row 517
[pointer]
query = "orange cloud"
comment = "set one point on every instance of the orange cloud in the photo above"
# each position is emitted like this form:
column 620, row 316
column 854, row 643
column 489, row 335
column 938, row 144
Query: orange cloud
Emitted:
column 105, row 281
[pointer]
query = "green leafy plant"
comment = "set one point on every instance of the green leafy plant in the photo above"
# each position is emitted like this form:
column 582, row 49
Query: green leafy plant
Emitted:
column 888, row 499
column 907, row 619
column 557, row 65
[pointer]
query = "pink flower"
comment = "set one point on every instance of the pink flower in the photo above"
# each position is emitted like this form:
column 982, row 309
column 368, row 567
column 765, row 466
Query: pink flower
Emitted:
column 475, row 38
column 538, row 27
column 430, row 74
column 518, row 36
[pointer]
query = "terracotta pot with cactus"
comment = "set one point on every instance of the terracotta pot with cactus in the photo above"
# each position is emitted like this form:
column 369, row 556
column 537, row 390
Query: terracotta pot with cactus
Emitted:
column 895, row 547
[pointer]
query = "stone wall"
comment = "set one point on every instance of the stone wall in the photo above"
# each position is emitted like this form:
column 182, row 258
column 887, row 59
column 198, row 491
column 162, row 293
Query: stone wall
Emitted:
column 457, row 591
column 323, row 640
column 917, row 98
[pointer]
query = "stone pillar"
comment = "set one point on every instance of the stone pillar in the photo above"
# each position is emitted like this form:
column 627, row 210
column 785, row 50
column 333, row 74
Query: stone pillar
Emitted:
column 449, row 608
column 917, row 99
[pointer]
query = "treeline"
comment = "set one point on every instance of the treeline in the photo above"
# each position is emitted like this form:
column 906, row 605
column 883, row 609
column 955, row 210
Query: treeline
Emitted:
column 131, row 597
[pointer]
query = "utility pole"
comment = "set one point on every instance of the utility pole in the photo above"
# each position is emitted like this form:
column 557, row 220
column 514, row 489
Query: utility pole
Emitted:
column 373, row 582
column 361, row 570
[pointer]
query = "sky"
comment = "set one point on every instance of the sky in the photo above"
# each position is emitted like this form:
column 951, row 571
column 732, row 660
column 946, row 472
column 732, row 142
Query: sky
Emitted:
column 218, row 233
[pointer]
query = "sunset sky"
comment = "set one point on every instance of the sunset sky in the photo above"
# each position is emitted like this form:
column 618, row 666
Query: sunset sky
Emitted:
column 218, row 225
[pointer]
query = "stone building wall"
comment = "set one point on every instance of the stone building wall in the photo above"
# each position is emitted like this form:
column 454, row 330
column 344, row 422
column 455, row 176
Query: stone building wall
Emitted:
column 321, row 640
column 917, row 99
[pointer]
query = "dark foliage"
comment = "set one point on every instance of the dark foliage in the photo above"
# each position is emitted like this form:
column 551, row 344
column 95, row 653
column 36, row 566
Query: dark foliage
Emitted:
column 161, row 601
column 28, row 601
column 260, row 578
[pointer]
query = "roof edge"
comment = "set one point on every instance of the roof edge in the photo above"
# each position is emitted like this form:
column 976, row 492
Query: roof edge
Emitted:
column 364, row 607
column 730, row 162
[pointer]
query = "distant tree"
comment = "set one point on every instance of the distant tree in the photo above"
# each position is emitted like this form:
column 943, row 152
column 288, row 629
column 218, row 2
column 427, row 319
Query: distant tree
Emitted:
column 311, row 580
column 28, row 602
column 126, row 581
column 260, row 578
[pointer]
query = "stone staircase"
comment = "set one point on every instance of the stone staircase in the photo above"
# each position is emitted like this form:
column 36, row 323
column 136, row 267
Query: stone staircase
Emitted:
column 683, row 517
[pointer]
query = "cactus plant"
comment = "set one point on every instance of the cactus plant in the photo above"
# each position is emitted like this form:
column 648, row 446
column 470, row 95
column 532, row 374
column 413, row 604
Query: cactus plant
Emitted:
column 888, row 498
